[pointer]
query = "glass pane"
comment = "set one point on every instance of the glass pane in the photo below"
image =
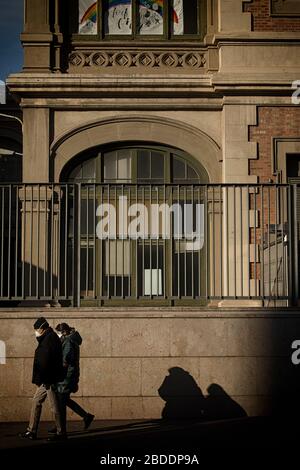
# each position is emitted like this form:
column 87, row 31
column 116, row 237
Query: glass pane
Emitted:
column 88, row 170
column 150, row 269
column 143, row 164
column 76, row 174
column 178, row 169
column 191, row 173
column 124, row 165
column 110, row 166
column 150, row 17
column 184, row 17
column 157, row 165
column 117, row 16
column 88, row 16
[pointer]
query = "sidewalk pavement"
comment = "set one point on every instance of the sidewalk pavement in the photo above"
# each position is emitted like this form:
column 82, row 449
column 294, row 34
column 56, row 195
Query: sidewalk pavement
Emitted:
column 213, row 442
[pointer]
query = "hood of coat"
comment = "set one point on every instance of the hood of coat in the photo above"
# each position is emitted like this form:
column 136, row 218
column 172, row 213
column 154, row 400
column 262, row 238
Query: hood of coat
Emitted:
column 75, row 337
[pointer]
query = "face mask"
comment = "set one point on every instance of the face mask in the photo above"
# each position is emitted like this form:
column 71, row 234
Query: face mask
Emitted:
column 37, row 334
column 59, row 334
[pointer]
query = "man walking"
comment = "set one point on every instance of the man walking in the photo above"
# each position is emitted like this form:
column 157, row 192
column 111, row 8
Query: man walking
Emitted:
column 47, row 371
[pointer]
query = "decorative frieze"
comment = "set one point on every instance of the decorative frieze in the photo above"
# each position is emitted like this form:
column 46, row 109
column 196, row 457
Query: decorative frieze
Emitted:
column 149, row 59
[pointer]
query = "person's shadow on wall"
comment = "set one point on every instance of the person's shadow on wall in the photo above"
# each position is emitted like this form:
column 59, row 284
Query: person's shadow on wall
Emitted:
column 185, row 400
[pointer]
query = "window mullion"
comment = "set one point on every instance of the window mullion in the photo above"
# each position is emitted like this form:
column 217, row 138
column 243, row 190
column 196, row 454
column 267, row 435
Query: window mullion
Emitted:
column 134, row 13
column 166, row 19
column 100, row 18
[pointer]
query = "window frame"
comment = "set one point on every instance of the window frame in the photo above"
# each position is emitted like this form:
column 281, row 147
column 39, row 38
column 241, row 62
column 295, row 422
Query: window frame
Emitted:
column 128, row 38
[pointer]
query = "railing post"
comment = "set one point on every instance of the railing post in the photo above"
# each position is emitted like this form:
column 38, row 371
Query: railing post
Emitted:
column 295, row 245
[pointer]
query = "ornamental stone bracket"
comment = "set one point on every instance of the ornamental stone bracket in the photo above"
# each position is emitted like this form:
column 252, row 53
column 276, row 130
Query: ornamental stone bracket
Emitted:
column 84, row 60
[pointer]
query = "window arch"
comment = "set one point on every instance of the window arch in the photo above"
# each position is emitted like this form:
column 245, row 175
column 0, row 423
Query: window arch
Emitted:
column 133, row 19
column 135, row 164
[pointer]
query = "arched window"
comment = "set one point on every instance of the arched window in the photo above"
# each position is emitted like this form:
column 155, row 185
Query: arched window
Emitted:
column 156, row 251
column 133, row 19
column 136, row 164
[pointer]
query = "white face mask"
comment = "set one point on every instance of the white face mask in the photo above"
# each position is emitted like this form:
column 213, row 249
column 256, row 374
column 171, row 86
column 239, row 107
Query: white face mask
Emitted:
column 59, row 334
column 37, row 334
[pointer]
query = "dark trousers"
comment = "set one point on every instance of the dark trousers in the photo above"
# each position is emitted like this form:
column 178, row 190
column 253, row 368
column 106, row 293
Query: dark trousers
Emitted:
column 64, row 402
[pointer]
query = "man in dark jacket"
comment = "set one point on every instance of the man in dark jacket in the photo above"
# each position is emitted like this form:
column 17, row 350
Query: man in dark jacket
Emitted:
column 47, row 370
column 71, row 341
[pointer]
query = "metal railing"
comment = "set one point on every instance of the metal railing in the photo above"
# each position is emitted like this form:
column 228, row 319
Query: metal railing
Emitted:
column 162, row 244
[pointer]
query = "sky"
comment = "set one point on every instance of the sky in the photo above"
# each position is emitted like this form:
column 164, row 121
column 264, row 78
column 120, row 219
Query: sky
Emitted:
column 11, row 24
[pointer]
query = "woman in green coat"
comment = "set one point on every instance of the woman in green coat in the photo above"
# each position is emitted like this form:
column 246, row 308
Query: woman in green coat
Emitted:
column 71, row 341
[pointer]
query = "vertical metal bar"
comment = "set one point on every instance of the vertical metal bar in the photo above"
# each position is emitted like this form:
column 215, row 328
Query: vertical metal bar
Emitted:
column 234, row 239
column 276, row 242
column 24, row 240
column 248, row 241
column 213, row 241
column 31, row 230
column 262, row 262
column 94, row 241
column 296, row 241
column 45, row 238
column 66, row 243
column 122, row 241
column 59, row 216
column 52, row 242
column 269, row 244
column 178, row 241
column 79, row 246
column 129, row 293
column 2, row 240
column 136, row 256
column 157, row 240
column 185, row 241
column 116, row 244
column 108, row 244
column 221, row 239
column 87, row 242
column 165, row 244
column 256, row 251
column 199, row 252
column 241, row 240
column 17, row 241
column 206, row 229
column 194, row 222
column 9, row 240
column 38, row 241
column 150, row 242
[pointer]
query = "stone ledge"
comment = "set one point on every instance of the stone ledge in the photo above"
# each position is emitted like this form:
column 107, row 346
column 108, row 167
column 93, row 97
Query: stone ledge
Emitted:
column 149, row 312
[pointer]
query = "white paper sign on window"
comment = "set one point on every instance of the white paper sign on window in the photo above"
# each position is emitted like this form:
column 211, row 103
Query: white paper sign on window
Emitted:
column 177, row 17
column 88, row 14
column 118, row 17
column 151, row 14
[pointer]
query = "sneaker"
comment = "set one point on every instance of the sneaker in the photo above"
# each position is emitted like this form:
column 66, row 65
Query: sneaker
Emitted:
column 52, row 431
column 28, row 435
column 57, row 437
column 87, row 420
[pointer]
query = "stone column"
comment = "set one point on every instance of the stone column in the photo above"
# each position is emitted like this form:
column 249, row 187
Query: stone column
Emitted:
column 238, row 219
column 37, row 36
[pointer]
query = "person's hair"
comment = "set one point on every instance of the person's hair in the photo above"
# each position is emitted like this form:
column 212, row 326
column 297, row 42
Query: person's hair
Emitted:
column 61, row 327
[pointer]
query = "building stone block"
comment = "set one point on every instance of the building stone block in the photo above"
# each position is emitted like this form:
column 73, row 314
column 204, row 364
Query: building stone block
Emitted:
column 127, row 408
column 198, row 337
column 140, row 337
column 20, row 341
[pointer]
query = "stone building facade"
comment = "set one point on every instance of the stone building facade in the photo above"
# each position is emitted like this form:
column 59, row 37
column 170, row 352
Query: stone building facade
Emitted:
column 213, row 94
